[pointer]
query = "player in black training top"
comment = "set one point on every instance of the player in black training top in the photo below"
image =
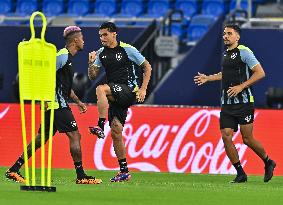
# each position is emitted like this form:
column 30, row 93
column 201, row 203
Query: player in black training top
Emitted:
column 64, row 120
column 121, row 91
column 240, row 69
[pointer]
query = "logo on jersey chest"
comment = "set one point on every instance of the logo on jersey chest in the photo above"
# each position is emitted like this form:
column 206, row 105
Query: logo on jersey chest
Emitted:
column 233, row 55
column 119, row 56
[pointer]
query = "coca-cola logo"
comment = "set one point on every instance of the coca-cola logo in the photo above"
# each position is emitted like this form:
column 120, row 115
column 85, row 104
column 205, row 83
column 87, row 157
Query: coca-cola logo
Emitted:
column 188, row 147
column 4, row 112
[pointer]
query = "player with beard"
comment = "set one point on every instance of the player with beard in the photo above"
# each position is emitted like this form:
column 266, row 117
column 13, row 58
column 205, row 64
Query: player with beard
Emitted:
column 240, row 70
column 121, row 91
column 64, row 121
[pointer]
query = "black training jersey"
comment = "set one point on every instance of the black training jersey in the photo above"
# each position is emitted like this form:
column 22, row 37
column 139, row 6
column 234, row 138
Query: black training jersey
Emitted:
column 237, row 65
column 64, row 77
column 119, row 63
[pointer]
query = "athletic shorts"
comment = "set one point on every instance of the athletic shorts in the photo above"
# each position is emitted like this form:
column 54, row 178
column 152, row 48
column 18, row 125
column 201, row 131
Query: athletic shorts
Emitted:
column 124, row 97
column 233, row 115
column 64, row 121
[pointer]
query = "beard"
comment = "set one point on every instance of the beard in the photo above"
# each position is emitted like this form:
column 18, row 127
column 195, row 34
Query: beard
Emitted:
column 227, row 43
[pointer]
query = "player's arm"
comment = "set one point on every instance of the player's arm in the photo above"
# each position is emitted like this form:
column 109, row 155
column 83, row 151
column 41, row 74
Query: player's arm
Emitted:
column 80, row 104
column 93, row 69
column 146, row 74
column 258, row 73
column 201, row 78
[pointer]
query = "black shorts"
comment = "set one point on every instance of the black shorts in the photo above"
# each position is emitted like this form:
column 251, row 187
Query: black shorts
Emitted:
column 233, row 115
column 64, row 121
column 124, row 97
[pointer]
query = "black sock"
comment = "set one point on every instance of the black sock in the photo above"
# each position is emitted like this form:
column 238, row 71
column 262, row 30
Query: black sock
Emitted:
column 18, row 164
column 123, row 165
column 79, row 170
column 239, row 168
column 266, row 160
column 101, row 122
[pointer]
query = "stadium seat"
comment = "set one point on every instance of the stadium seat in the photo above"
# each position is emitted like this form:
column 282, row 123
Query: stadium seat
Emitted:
column 189, row 7
column 199, row 26
column 106, row 7
column 177, row 30
column 132, row 7
column 213, row 7
column 158, row 7
column 26, row 7
column 5, row 6
column 78, row 7
column 53, row 7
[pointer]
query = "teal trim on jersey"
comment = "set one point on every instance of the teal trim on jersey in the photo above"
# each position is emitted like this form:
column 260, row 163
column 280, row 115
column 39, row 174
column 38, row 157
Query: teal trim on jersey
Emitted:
column 61, row 58
column 133, row 54
column 97, row 61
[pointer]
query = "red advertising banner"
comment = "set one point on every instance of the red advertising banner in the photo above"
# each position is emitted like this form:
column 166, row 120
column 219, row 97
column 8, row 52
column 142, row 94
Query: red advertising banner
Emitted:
column 159, row 139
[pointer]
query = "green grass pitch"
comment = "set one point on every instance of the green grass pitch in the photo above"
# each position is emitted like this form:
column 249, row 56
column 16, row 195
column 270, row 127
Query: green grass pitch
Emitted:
column 147, row 188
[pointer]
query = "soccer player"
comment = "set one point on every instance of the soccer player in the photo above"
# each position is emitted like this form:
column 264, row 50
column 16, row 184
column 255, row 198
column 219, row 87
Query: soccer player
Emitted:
column 121, row 90
column 64, row 120
column 240, row 70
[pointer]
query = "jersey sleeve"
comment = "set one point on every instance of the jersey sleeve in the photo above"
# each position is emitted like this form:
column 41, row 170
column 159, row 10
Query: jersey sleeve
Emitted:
column 97, row 61
column 61, row 60
column 248, row 57
column 134, row 55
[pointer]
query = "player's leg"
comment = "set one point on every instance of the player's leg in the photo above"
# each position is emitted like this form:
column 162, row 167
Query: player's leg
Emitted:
column 120, row 151
column 246, row 127
column 103, row 93
column 13, row 172
column 66, row 123
column 124, row 97
column 228, row 125
column 76, row 153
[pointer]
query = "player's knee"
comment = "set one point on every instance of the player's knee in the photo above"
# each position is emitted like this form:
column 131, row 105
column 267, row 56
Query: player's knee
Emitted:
column 227, row 135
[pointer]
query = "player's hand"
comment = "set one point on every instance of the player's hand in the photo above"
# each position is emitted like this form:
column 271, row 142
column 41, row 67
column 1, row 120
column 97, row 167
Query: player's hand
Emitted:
column 235, row 90
column 140, row 95
column 91, row 57
column 82, row 107
column 200, row 78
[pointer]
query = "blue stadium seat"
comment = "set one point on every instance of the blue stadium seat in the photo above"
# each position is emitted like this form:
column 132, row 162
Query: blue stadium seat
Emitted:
column 213, row 7
column 53, row 7
column 106, row 7
column 158, row 7
column 26, row 7
column 132, row 7
column 78, row 7
column 189, row 7
column 177, row 30
column 5, row 6
column 199, row 26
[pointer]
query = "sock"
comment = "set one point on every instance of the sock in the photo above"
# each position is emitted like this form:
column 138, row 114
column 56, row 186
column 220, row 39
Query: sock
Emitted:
column 79, row 170
column 266, row 160
column 18, row 164
column 239, row 168
column 101, row 123
column 123, row 165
